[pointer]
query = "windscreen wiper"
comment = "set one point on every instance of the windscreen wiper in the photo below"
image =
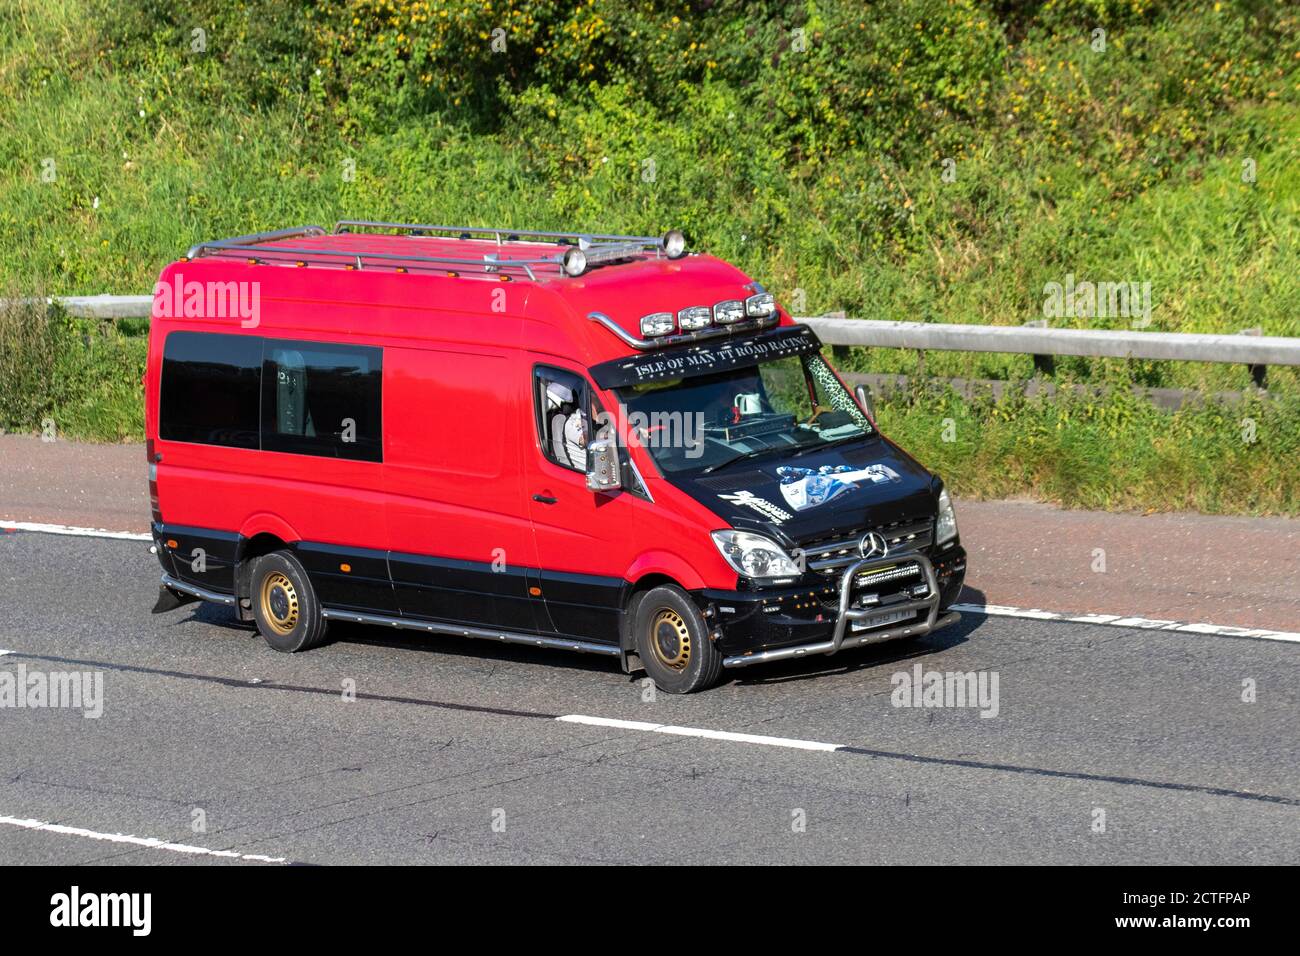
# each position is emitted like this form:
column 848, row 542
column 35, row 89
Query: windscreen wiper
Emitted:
column 805, row 447
column 743, row 456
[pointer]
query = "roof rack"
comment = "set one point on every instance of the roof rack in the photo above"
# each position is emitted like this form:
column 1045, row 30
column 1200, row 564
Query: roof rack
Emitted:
column 197, row 249
column 580, row 250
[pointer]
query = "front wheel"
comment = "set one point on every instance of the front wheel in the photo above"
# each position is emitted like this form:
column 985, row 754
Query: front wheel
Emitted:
column 284, row 603
column 673, row 642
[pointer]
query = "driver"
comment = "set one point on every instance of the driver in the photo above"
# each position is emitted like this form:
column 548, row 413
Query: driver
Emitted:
column 565, row 426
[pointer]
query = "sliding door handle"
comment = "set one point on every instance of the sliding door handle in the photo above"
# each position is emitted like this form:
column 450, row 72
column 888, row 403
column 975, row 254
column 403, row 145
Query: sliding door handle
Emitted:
column 545, row 499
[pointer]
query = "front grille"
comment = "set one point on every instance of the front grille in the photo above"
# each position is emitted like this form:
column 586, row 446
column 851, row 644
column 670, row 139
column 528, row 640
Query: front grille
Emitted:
column 829, row 555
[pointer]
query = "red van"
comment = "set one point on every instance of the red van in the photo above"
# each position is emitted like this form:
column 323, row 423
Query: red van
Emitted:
column 590, row 442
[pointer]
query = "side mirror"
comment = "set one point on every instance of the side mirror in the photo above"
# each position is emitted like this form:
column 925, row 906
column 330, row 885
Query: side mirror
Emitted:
column 602, row 465
column 863, row 395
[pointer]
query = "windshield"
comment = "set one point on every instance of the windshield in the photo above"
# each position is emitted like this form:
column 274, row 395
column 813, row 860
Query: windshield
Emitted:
column 704, row 423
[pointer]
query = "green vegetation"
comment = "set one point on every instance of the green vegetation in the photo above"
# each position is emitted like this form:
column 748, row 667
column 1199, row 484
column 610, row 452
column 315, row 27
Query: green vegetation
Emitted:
column 82, row 375
column 1116, row 454
column 805, row 141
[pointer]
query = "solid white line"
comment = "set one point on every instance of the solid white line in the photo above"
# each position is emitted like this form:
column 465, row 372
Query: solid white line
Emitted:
column 69, row 530
column 1142, row 623
column 147, row 842
column 727, row 735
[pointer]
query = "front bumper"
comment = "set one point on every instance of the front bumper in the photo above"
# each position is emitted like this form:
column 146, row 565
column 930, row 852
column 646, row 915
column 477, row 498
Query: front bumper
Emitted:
column 753, row 627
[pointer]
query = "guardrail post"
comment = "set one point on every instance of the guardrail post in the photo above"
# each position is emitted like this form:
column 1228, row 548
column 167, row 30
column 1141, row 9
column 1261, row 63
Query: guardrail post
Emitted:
column 1043, row 364
column 840, row 353
column 1258, row 373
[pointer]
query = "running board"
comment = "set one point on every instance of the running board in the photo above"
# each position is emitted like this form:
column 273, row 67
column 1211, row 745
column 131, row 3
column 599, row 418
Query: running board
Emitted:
column 506, row 637
column 170, row 583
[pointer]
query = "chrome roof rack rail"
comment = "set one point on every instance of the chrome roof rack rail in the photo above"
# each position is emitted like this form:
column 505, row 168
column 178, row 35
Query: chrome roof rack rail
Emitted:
column 581, row 248
column 574, row 252
column 500, row 234
column 358, row 258
column 196, row 250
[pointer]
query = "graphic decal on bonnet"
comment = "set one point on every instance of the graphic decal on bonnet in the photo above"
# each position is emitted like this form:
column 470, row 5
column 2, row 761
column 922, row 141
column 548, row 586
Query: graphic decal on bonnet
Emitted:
column 764, row 507
column 805, row 488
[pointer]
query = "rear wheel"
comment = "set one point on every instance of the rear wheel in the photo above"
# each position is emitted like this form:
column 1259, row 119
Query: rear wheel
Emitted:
column 673, row 642
column 284, row 603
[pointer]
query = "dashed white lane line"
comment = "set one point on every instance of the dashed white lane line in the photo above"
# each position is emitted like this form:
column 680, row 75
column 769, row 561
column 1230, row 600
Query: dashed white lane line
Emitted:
column 70, row 530
column 150, row 843
column 728, row 735
column 1141, row 623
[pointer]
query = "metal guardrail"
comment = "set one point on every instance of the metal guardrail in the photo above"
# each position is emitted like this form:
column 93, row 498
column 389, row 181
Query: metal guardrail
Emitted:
column 108, row 306
column 1238, row 349
column 1256, row 351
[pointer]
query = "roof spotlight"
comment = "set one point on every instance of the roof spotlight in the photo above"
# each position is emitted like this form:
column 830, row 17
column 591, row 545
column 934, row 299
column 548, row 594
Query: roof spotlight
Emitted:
column 575, row 261
column 674, row 243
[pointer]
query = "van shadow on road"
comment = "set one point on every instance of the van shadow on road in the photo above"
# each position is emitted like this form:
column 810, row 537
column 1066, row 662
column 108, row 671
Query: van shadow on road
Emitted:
column 776, row 673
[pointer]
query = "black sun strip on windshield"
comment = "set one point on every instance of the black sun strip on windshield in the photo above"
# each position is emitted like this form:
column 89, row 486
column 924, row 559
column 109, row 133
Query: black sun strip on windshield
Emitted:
column 706, row 357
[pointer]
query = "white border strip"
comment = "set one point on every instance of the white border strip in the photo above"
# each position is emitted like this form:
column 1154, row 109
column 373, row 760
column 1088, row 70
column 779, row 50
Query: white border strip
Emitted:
column 77, row 532
column 1142, row 623
column 698, row 732
column 150, row 843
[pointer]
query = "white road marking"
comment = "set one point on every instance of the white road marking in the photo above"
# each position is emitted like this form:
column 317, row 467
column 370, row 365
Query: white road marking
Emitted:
column 150, row 843
column 1141, row 623
column 68, row 529
column 727, row 735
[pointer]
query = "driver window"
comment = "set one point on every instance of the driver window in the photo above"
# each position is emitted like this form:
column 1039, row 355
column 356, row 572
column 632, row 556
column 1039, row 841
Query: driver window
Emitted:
column 562, row 425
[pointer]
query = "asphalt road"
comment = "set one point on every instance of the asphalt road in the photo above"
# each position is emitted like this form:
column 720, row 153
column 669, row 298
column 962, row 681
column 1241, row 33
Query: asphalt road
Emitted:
column 452, row 752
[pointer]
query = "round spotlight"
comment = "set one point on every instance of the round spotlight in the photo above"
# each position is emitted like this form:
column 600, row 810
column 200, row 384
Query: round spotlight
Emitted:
column 575, row 261
column 674, row 243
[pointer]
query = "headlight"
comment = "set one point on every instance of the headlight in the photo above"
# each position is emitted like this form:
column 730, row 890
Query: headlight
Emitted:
column 945, row 528
column 762, row 304
column 729, row 311
column 674, row 243
column 754, row 556
column 657, row 323
column 696, row 317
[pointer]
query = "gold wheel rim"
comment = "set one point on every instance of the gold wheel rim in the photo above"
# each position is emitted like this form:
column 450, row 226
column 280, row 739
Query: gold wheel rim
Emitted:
column 279, row 600
column 670, row 639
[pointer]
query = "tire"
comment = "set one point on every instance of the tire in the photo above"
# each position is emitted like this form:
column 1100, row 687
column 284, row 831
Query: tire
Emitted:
column 284, row 603
column 673, row 642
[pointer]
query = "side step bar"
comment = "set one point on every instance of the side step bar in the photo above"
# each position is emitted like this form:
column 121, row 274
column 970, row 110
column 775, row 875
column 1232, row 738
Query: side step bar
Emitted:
column 507, row 637
column 174, row 585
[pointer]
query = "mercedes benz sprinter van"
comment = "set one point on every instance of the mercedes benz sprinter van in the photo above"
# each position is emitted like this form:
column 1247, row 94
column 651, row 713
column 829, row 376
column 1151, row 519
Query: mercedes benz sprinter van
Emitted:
column 595, row 443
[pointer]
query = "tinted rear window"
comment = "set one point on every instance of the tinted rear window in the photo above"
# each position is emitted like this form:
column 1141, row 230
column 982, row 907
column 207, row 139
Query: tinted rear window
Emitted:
column 211, row 389
column 322, row 399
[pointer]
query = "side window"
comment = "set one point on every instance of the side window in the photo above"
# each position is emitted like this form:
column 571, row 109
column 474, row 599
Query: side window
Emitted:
column 561, row 422
column 211, row 389
column 323, row 399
